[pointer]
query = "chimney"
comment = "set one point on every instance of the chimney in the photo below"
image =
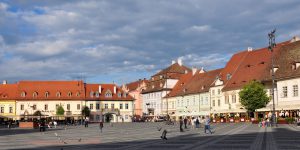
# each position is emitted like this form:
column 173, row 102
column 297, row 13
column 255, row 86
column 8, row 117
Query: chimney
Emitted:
column 250, row 49
column 4, row 82
column 202, row 70
column 173, row 62
column 294, row 39
column 194, row 70
column 179, row 61
column 115, row 89
column 100, row 89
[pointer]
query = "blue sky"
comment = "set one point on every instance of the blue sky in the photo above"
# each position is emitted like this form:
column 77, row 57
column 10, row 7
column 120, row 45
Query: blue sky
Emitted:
column 124, row 40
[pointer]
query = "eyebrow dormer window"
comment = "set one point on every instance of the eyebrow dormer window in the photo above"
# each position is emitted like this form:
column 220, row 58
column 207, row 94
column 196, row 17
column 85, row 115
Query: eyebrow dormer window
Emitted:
column 57, row 94
column 35, row 94
column 69, row 94
column 91, row 94
column 47, row 94
column 108, row 94
column 23, row 94
column 97, row 94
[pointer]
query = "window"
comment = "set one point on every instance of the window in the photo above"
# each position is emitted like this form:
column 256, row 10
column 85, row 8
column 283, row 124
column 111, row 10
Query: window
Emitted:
column 295, row 90
column 10, row 109
column 97, row 94
column 112, row 106
column 219, row 102
column 91, row 94
column 219, row 91
column 68, row 107
column 284, row 90
column 78, row 106
column 228, row 76
column 35, row 94
column 206, row 100
column 213, row 92
column 126, row 106
column 2, row 110
column 91, row 106
column 69, row 94
column 213, row 103
column 108, row 93
column 46, row 107
column 121, row 106
column 233, row 99
column 47, row 94
column 124, row 94
column 58, row 94
column 97, row 106
column 106, row 106
column 78, row 94
column 56, row 106
column 119, row 94
column 34, row 107
column 226, row 99
column 22, row 107
column 23, row 94
column 201, row 101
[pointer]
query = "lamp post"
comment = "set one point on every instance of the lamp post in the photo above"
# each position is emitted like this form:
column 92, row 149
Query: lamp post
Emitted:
column 272, row 45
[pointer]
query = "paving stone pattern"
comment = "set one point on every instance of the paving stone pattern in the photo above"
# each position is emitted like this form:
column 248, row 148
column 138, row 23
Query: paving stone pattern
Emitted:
column 146, row 136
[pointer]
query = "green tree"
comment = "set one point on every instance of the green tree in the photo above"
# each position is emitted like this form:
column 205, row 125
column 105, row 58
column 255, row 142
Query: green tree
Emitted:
column 86, row 111
column 253, row 96
column 60, row 110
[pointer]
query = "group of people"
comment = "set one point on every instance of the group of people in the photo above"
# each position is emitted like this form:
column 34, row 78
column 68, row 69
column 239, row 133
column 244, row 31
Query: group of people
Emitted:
column 195, row 123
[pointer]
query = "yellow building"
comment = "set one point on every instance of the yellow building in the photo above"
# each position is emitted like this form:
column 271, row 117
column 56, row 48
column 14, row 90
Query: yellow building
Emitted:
column 7, row 101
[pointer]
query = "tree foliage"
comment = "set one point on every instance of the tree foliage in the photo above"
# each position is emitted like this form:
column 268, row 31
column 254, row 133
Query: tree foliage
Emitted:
column 86, row 111
column 253, row 96
column 37, row 113
column 60, row 110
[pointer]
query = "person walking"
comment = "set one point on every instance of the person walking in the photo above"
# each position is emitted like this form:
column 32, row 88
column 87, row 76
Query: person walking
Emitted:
column 101, row 126
column 197, row 122
column 86, row 122
column 181, row 124
column 185, row 122
column 55, row 124
column 207, row 125
column 193, row 123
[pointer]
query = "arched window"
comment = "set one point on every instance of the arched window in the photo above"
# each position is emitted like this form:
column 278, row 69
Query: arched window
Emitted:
column 97, row 94
column 78, row 94
column 23, row 94
column 108, row 93
column 46, row 94
column 91, row 94
column 69, row 94
column 35, row 94
column 58, row 94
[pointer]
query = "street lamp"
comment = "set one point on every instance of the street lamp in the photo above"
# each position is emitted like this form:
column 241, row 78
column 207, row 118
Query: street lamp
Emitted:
column 272, row 45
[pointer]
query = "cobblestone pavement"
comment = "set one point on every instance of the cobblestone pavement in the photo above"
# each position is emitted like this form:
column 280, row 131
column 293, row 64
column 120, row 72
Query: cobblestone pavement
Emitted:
column 146, row 136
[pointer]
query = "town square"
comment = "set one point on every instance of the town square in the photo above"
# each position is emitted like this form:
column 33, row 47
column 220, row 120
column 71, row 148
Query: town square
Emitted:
column 165, row 74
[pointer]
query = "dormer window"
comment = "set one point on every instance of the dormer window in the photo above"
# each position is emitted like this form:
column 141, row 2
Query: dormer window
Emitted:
column 248, row 66
column 78, row 94
column 35, row 94
column 58, row 94
column 97, row 94
column 91, row 94
column 262, row 62
column 124, row 94
column 47, row 94
column 108, row 93
column 228, row 76
column 23, row 94
column 119, row 94
column 69, row 94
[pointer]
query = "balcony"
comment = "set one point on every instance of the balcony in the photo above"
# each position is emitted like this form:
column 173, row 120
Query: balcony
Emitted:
column 110, row 111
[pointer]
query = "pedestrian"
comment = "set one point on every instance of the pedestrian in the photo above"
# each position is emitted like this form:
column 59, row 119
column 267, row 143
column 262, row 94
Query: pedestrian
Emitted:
column 207, row 125
column 86, row 122
column 164, row 135
column 197, row 122
column 101, row 126
column 9, row 124
column 181, row 124
column 55, row 124
column 185, row 122
column 193, row 123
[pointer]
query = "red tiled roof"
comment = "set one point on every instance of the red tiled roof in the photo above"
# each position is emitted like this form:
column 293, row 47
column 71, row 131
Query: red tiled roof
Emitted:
column 8, row 91
column 134, row 85
column 105, row 88
column 75, row 88
column 255, row 66
column 174, row 68
column 192, row 84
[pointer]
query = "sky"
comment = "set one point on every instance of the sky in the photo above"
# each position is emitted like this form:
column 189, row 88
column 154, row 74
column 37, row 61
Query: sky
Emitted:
column 120, row 41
